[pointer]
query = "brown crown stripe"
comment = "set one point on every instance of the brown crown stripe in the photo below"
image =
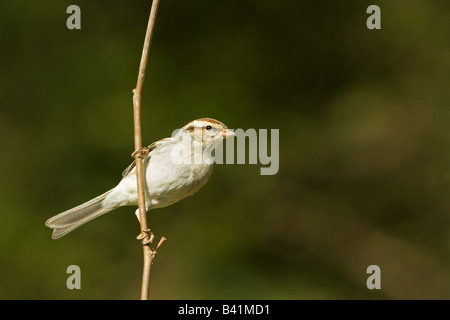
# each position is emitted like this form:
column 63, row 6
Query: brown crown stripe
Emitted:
column 214, row 122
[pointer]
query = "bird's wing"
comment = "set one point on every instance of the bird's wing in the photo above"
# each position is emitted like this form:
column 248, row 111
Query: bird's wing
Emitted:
column 150, row 148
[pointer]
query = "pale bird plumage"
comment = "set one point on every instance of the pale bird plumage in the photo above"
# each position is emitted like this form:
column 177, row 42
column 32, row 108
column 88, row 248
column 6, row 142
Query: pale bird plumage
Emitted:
column 167, row 181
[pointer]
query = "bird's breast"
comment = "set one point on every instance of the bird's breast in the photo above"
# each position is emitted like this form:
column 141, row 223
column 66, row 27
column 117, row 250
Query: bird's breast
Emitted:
column 168, row 183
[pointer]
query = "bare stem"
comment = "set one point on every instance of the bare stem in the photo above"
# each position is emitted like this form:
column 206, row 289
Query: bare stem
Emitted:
column 149, row 254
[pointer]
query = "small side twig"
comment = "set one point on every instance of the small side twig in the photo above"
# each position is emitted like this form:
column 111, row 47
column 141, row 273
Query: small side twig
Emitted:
column 146, row 235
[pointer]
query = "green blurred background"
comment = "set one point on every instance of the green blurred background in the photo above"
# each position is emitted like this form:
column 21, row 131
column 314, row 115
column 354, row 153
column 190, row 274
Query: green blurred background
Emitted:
column 364, row 147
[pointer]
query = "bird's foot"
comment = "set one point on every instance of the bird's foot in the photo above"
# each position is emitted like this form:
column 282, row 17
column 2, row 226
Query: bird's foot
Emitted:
column 142, row 153
column 146, row 236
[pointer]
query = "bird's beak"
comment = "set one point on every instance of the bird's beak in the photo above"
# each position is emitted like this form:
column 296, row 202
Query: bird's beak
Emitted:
column 227, row 133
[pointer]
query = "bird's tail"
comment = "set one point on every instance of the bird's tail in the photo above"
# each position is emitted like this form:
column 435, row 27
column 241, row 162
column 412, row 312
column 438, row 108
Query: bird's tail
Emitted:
column 71, row 219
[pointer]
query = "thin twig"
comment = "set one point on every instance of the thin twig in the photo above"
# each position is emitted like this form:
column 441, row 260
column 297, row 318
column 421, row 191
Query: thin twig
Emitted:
column 149, row 254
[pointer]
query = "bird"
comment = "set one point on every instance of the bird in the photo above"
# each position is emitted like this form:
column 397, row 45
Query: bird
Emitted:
column 174, row 168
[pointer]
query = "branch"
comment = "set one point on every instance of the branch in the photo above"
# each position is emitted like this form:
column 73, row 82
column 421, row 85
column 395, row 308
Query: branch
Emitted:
column 139, row 154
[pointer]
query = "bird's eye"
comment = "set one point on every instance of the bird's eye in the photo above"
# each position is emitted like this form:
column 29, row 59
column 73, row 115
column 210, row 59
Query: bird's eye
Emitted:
column 208, row 127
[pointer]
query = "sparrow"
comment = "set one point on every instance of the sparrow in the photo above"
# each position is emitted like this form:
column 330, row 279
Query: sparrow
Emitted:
column 175, row 167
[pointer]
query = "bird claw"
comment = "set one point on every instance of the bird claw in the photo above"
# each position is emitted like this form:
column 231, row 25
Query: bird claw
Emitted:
column 142, row 153
column 146, row 236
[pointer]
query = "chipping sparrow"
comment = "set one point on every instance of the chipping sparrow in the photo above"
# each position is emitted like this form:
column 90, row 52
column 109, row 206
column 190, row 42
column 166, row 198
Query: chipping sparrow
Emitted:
column 175, row 168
